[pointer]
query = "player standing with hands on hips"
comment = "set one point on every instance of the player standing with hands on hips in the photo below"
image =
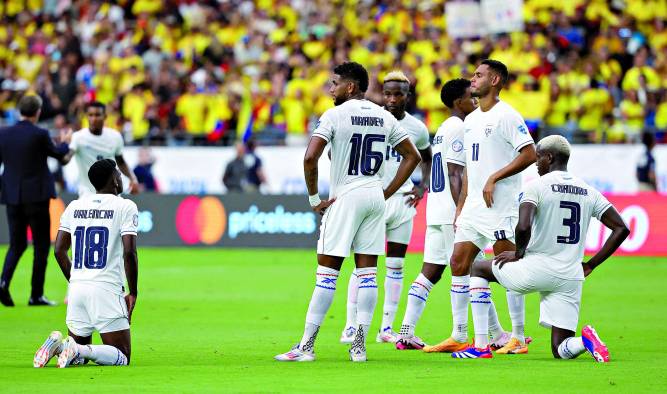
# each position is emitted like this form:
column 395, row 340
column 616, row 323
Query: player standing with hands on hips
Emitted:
column 353, row 216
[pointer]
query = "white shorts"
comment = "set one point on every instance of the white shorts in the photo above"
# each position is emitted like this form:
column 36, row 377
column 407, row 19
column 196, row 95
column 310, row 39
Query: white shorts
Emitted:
column 354, row 221
column 559, row 298
column 439, row 244
column 482, row 234
column 92, row 308
column 398, row 218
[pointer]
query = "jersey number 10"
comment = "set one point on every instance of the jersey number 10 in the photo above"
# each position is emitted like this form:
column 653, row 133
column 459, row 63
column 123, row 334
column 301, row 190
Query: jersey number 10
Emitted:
column 437, row 174
column 362, row 154
column 90, row 248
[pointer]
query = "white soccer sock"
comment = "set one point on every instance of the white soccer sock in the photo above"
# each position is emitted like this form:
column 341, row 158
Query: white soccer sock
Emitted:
column 515, row 304
column 367, row 298
column 325, row 287
column 102, row 354
column 352, row 290
column 417, row 297
column 480, row 296
column 495, row 328
column 393, row 285
column 571, row 348
column 460, row 295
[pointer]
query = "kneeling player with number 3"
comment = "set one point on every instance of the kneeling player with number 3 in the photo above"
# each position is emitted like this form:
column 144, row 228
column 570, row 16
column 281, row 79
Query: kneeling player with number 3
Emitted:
column 103, row 229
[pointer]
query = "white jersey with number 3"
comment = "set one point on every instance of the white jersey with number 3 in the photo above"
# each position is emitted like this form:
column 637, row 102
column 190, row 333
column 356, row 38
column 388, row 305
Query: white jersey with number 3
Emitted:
column 419, row 136
column 447, row 148
column 359, row 132
column 492, row 139
column 565, row 205
column 97, row 223
column 89, row 148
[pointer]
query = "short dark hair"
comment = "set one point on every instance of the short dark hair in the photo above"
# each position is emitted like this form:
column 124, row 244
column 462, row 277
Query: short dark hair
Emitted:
column 29, row 105
column 96, row 104
column 355, row 72
column 499, row 68
column 453, row 90
column 100, row 172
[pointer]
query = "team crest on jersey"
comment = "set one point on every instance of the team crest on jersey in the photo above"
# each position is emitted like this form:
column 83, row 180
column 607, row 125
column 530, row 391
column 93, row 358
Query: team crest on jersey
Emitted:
column 522, row 129
column 488, row 129
column 135, row 220
column 457, row 146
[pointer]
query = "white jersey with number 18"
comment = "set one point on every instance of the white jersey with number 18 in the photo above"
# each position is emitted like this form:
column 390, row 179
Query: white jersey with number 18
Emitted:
column 565, row 205
column 97, row 223
column 359, row 132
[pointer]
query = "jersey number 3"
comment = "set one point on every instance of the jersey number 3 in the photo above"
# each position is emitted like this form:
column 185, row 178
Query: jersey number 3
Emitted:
column 362, row 154
column 573, row 223
column 90, row 248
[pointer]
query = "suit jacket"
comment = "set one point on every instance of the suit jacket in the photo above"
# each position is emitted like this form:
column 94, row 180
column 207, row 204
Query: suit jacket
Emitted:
column 24, row 148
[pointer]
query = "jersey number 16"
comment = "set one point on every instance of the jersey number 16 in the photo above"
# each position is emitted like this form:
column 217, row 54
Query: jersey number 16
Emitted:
column 362, row 154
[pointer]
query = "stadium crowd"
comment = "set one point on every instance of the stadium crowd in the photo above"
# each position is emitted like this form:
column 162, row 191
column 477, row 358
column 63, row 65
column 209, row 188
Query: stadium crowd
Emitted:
column 212, row 72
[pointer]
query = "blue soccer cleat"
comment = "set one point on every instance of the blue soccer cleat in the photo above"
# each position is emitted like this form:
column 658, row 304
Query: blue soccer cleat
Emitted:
column 473, row 352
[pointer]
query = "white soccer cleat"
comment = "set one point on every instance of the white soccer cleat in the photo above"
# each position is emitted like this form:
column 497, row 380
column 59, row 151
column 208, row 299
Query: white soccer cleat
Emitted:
column 347, row 336
column 50, row 348
column 69, row 353
column 358, row 354
column 296, row 354
column 386, row 336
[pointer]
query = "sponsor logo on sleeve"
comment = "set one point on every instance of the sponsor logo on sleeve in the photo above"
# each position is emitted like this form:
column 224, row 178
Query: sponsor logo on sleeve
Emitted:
column 457, row 146
column 522, row 129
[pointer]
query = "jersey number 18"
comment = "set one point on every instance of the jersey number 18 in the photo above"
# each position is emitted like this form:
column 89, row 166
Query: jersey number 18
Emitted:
column 90, row 248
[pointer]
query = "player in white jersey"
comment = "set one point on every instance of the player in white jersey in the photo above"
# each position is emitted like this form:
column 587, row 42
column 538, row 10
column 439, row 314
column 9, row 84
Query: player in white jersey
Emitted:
column 97, row 142
column 554, row 215
column 399, row 211
column 102, row 228
column 497, row 148
column 358, row 132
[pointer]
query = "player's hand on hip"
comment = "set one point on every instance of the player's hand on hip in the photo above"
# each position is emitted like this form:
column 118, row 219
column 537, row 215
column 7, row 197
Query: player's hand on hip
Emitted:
column 587, row 269
column 488, row 192
column 130, row 300
column 414, row 196
column 504, row 258
column 322, row 206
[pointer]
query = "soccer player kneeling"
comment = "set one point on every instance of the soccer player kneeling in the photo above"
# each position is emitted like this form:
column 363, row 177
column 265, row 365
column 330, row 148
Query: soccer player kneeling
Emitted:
column 103, row 229
column 548, row 255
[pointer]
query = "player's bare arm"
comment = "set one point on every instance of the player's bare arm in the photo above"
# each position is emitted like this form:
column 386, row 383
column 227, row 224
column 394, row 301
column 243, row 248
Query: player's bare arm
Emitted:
column 455, row 176
column 522, row 233
column 122, row 166
column 131, row 271
column 417, row 192
column 619, row 232
column 310, row 162
column 526, row 157
column 463, row 194
column 411, row 159
column 63, row 243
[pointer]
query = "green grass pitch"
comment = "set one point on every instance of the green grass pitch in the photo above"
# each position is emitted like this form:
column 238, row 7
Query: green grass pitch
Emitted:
column 212, row 320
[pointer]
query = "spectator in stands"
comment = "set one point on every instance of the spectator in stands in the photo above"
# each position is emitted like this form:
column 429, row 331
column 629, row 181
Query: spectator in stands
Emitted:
column 255, row 174
column 646, row 165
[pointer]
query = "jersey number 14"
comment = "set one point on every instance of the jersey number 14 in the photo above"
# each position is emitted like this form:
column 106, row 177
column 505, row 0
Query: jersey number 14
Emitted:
column 90, row 248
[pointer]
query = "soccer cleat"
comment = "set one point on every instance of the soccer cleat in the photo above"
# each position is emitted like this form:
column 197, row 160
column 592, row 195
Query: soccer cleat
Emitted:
column 358, row 354
column 410, row 343
column 296, row 354
column 449, row 345
column 594, row 344
column 69, row 353
column 473, row 352
column 50, row 348
column 503, row 339
column 386, row 336
column 347, row 336
column 513, row 346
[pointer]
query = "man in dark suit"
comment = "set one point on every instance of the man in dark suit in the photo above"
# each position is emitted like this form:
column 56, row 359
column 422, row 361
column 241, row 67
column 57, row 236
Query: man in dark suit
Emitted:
column 27, row 187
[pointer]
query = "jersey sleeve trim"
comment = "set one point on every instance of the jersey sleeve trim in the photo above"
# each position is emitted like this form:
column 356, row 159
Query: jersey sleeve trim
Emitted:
column 529, row 201
column 518, row 148
column 400, row 139
column 603, row 210
column 324, row 137
column 128, row 232
column 65, row 229
column 454, row 161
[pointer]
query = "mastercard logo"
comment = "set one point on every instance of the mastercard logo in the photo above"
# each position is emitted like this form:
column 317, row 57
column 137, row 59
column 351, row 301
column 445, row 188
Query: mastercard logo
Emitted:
column 201, row 220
